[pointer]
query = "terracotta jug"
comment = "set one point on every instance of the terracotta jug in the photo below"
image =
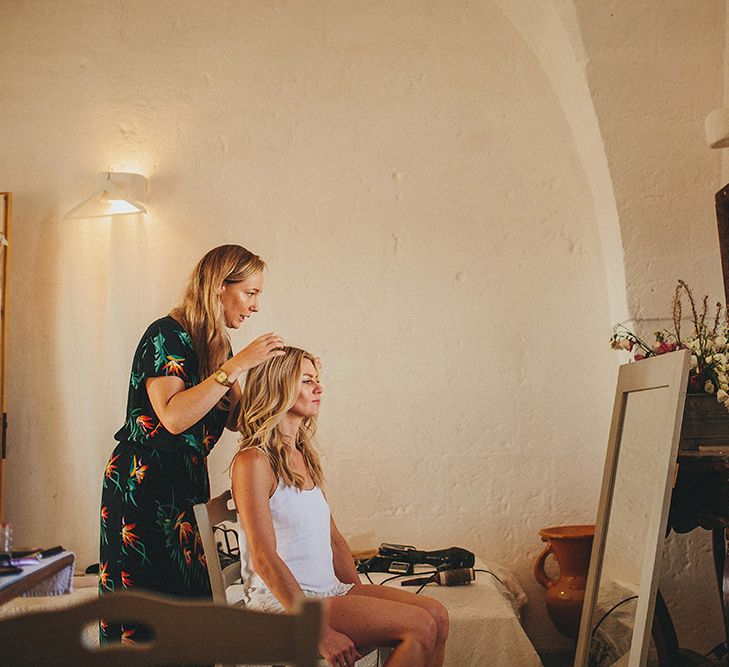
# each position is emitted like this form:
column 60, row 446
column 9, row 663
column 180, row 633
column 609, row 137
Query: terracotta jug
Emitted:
column 571, row 547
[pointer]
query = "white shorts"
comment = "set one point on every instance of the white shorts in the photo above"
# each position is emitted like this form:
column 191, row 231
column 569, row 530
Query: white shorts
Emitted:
column 261, row 599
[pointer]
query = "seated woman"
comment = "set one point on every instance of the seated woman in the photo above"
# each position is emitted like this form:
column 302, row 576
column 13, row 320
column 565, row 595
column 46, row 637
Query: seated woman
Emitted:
column 290, row 539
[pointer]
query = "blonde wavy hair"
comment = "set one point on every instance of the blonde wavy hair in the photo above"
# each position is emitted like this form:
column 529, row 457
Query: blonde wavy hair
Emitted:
column 270, row 391
column 201, row 312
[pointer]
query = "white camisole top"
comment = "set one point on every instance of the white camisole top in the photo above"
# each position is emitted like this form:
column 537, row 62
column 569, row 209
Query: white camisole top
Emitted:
column 301, row 521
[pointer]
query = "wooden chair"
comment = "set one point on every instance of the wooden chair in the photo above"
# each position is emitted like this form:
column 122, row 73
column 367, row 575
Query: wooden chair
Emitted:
column 185, row 633
column 208, row 515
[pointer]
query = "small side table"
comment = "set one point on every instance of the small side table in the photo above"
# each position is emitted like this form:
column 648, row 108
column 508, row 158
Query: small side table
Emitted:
column 701, row 499
column 38, row 579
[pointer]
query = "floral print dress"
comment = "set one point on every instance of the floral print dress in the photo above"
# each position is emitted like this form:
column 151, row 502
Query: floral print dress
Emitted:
column 149, row 538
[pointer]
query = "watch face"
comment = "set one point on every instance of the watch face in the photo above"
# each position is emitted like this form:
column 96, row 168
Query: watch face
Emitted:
column 222, row 377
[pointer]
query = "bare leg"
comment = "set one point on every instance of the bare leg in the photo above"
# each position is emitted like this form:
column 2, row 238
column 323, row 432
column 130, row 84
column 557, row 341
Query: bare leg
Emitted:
column 436, row 610
column 372, row 621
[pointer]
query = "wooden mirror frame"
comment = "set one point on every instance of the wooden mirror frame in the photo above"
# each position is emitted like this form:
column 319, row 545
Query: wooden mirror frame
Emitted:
column 5, row 216
column 721, row 200
column 664, row 371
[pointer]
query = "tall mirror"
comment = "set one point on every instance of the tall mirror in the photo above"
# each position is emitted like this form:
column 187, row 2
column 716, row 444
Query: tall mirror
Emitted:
column 6, row 201
column 633, row 512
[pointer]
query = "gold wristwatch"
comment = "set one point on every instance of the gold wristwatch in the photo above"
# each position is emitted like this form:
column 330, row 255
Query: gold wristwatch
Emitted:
column 221, row 377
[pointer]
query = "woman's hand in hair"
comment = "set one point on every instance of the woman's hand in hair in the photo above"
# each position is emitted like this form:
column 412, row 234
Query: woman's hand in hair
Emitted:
column 337, row 649
column 262, row 348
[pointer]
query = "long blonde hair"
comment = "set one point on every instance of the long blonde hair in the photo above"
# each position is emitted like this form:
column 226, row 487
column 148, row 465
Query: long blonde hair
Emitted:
column 201, row 312
column 270, row 391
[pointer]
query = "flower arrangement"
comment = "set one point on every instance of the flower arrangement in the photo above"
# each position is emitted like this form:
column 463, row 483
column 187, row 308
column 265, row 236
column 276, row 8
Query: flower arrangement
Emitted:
column 709, row 345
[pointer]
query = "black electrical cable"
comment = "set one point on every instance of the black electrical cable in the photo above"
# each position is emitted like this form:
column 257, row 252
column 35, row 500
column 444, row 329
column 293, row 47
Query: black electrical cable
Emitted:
column 398, row 576
column 422, row 586
column 486, row 571
column 493, row 575
column 401, row 575
column 610, row 611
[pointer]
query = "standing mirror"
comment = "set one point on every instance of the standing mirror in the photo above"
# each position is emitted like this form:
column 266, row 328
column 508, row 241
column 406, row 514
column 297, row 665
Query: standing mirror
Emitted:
column 6, row 202
column 633, row 512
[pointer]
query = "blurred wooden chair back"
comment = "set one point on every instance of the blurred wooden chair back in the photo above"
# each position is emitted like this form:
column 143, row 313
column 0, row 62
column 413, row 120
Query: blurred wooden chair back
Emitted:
column 208, row 515
column 185, row 633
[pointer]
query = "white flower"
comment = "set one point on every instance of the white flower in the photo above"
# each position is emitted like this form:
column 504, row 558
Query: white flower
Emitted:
column 709, row 387
column 719, row 341
column 694, row 361
column 724, row 386
column 722, row 396
column 720, row 358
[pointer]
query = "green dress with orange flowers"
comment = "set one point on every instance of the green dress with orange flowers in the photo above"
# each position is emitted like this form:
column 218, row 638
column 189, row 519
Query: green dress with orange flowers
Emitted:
column 149, row 538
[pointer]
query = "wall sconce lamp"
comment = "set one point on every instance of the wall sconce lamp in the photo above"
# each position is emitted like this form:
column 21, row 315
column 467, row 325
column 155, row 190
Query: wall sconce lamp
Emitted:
column 717, row 128
column 119, row 194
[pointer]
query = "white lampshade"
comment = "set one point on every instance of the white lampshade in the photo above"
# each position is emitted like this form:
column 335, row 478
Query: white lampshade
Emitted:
column 119, row 194
column 717, row 128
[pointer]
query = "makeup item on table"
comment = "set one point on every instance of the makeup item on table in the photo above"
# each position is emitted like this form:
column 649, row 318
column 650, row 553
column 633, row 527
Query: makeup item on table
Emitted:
column 35, row 556
column 27, row 557
column 7, row 567
column 47, row 553
column 25, row 553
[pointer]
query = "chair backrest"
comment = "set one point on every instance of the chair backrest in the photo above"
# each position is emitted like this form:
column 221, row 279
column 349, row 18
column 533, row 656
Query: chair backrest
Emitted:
column 184, row 632
column 208, row 515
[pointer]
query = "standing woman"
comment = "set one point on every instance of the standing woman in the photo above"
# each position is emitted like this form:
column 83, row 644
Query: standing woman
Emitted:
column 183, row 391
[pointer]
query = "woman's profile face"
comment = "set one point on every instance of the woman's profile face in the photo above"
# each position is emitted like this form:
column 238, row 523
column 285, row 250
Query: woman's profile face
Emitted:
column 240, row 300
column 310, row 391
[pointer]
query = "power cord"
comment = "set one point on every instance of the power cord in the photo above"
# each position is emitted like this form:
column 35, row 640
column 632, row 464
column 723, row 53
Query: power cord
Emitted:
column 431, row 581
column 401, row 575
column 610, row 611
column 493, row 575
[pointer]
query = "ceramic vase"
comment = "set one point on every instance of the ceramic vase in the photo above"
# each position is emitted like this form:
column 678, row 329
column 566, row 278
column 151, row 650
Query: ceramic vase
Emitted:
column 571, row 547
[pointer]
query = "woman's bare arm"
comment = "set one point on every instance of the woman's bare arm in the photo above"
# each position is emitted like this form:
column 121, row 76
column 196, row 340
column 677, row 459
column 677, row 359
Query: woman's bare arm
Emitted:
column 235, row 395
column 179, row 408
column 344, row 566
column 253, row 484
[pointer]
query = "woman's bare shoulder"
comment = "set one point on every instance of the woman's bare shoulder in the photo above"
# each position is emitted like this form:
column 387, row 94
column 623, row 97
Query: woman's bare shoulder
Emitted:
column 252, row 464
column 252, row 457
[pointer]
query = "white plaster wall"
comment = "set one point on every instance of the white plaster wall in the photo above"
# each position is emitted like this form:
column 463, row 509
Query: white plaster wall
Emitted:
column 410, row 174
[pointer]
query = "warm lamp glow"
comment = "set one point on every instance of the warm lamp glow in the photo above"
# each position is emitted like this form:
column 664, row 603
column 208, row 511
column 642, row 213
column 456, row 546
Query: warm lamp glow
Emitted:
column 118, row 195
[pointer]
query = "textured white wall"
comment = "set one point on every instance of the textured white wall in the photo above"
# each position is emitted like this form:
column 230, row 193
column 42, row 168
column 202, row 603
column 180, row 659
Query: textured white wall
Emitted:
column 433, row 224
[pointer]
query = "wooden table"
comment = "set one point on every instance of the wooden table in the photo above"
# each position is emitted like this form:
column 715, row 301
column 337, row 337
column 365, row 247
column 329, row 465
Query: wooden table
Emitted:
column 701, row 500
column 33, row 575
